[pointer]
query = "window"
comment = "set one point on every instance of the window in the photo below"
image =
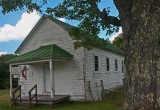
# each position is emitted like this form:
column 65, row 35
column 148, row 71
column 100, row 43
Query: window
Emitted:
column 122, row 66
column 96, row 66
column 107, row 64
column 116, row 65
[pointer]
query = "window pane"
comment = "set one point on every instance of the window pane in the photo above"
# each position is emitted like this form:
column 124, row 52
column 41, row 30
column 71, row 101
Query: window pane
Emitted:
column 116, row 65
column 96, row 63
column 122, row 66
column 107, row 63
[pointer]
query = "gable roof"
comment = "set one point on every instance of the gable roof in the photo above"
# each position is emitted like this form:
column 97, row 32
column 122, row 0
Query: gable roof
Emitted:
column 30, row 34
column 113, row 48
column 64, row 25
column 67, row 27
column 44, row 52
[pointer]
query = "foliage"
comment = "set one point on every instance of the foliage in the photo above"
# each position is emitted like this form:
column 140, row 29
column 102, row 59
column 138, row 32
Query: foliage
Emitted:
column 140, row 25
column 92, row 19
column 113, row 101
column 86, row 40
column 15, row 5
column 118, row 41
column 4, row 71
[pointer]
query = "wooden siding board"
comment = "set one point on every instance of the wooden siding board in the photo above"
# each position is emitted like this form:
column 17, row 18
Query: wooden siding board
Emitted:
column 110, row 79
column 31, row 80
column 49, row 33
column 69, row 79
column 68, row 75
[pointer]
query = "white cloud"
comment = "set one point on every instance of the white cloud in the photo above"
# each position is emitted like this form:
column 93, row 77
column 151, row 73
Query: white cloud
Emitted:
column 115, row 35
column 2, row 53
column 21, row 29
column 62, row 19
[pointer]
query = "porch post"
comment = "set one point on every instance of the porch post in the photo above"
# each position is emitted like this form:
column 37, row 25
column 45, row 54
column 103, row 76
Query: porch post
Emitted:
column 10, row 71
column 51, row 78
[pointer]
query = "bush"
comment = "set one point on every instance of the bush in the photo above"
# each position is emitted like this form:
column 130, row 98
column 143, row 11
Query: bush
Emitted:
column 4, row 72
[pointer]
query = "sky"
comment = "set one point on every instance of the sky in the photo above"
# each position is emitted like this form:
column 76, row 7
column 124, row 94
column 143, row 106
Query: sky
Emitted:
column 15, row 26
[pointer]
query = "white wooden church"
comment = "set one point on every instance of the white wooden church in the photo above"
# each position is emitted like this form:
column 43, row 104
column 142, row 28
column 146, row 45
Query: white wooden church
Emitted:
column 48, row 59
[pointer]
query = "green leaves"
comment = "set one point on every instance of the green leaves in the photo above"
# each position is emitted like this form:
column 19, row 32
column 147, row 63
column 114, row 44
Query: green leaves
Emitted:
column 4, row 71
column 118, row 41
column 84, row 39
column 15, row 5
column 92, row 20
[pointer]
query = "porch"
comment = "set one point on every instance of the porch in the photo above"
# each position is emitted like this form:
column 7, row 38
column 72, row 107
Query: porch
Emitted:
column 34, row 98
column 46, row 99
column 36, row 67
column 42, row 99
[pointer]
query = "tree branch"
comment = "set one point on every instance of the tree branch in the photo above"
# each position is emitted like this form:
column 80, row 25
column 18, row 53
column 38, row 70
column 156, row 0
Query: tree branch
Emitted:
column 103, row 15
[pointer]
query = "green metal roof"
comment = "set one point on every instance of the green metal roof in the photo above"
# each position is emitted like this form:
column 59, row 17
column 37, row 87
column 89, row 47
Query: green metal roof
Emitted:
column 67, row 27
column 44, row 52
column 113, row 48
column 64, row 25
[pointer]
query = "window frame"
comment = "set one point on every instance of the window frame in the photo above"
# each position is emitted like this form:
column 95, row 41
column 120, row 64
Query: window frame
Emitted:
column 116, row 64
column 96, row 63
column 107, row 64
column 122, row 65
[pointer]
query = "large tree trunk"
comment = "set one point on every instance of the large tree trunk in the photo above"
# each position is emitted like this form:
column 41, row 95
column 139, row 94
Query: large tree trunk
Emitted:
column 140, row 21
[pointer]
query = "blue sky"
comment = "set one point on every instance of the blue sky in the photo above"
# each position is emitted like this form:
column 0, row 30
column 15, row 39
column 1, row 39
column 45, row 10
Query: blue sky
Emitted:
column 15, row 26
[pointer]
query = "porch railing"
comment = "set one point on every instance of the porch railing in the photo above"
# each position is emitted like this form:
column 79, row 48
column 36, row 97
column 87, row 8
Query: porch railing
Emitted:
column 16, row 97
column 31, row 97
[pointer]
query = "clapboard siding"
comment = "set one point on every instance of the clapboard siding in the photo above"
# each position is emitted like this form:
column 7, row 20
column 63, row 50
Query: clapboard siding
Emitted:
column 34, row 76
column 49, row 33
column 69, row 80
column 110, row 79
column 68, row 75
column 71, row 77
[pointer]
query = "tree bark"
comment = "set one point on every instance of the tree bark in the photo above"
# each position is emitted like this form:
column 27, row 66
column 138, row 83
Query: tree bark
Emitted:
column 141, row 30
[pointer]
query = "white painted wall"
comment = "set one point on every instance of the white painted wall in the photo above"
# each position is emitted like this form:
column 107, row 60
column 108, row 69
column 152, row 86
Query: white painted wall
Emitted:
column 68, row 75
column 69, row 79
column 34, row 76
column 49, row 33
column 110, row 79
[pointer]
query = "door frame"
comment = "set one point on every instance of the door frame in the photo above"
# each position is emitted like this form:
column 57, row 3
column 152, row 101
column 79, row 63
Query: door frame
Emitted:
column 44, row 81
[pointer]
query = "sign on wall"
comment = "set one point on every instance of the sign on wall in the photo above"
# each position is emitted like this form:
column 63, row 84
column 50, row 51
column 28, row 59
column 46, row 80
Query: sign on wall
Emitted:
column 15, row 70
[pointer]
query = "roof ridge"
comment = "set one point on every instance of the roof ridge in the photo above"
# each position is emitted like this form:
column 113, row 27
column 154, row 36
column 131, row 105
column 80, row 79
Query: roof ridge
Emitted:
column 43, row 52
column 66, row 27
column 62, row 24
column 30, row 33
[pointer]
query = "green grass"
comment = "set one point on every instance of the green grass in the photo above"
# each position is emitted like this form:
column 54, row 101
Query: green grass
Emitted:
column 113, row 101
column 4, row 92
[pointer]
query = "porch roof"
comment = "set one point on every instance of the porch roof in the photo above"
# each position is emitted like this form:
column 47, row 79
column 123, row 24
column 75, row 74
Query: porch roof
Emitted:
column 43, row 52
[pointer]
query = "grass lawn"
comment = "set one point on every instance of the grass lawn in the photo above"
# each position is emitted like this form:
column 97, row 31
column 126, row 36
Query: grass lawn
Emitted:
column 113, row 101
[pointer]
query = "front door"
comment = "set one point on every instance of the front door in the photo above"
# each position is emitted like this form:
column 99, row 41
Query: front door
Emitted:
column 47, row 83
